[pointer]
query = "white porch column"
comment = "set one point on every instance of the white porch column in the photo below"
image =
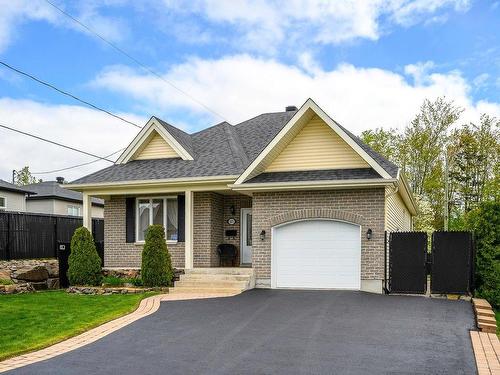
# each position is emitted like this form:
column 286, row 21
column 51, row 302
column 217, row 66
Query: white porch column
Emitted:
column 188, row 231
column 87, row 212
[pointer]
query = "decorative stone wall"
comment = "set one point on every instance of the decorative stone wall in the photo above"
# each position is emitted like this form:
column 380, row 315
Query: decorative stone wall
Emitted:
column 29, row 274
column 362, row 206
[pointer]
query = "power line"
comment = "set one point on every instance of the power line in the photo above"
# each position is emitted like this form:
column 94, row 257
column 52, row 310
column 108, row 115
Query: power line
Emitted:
column 143, row 66
column 67, row 93
column 79, row 165
column 55, row 143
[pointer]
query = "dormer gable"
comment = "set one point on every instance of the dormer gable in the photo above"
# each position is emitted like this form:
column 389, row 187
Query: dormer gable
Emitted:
column 154, row 141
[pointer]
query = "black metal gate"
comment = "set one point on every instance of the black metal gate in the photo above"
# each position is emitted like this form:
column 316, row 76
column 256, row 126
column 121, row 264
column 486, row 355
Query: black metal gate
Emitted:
column 407, row 262
column 63, row 251
column 452, row 262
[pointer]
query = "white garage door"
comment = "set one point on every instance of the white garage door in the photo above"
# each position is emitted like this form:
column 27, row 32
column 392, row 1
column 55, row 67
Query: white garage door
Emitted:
column 316, row 254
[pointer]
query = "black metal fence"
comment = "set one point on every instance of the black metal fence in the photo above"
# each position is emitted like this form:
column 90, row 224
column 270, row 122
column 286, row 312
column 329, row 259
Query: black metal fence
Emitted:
column 31, row 236
column 407, row 262
column 449, row 263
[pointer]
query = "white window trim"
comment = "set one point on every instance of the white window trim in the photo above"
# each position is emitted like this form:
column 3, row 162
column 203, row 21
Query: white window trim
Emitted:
column 73, row 207
column 4, row 207
column 165, row 205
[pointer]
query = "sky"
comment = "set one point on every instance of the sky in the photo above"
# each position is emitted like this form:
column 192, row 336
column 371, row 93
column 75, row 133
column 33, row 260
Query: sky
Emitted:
column 196, row 63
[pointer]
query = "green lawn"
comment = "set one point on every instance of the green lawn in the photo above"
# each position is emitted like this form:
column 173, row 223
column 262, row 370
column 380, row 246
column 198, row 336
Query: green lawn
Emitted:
column 36, row 320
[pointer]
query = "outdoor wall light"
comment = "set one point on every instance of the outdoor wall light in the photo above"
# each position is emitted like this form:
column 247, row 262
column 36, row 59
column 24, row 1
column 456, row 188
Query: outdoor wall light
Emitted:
column 263, row 235
column 232, row 209
column 369, row 233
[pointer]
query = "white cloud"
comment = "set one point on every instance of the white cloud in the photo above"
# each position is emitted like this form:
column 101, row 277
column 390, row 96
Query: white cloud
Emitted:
column 75, row 126
column 265, row 25
column 13, row 13
column 240, row 87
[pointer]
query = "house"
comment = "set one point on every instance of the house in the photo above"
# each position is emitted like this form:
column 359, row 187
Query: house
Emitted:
column 303, row 199
column 13, row 197
column 50, row 197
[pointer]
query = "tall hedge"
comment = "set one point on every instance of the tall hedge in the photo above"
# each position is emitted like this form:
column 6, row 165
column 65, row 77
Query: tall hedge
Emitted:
column 84, row 262
column 156, row 267
column 485, row 222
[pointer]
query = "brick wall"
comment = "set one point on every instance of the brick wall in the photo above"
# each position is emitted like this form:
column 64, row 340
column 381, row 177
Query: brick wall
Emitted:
column 119, row 253
column 207, row 228
column 363, row 205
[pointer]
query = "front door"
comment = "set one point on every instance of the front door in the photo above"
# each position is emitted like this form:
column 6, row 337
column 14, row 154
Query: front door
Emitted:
column 246, row 236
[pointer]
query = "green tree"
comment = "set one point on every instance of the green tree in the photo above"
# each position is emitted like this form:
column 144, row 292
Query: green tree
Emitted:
column 385, row 142
column 484, row 221
column 84, row 262
column 156, row 267
column 24, row 177
column 474, row 158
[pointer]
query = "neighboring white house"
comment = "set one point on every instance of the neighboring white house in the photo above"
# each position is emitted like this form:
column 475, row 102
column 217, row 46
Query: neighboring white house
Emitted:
column 13, row 197
column 51, row 198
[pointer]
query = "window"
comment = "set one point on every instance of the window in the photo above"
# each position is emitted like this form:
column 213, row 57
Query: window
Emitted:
column 162, row 211
column 3, row 204
column 74, row 211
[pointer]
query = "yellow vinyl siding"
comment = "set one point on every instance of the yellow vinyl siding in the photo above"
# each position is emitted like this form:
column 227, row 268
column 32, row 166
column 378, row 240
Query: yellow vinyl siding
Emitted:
column 397, row 216
column 156, row 148
column 315, row 147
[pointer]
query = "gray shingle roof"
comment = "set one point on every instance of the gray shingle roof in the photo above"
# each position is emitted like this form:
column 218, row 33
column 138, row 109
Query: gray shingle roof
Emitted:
column 320, row 175
column 52, row 190
column 220, row 150
column 4, row 185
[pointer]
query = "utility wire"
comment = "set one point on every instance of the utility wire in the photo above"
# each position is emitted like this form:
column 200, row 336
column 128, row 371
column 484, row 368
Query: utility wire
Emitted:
column 143, row 66
column 67, row 93
column 78, row 165
column 55, row 143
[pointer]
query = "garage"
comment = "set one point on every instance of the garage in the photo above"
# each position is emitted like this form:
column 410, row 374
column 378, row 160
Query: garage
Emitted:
column 316, row 254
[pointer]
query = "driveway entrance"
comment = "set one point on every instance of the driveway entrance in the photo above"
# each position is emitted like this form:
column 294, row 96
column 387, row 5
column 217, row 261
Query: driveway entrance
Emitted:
column 284, row 332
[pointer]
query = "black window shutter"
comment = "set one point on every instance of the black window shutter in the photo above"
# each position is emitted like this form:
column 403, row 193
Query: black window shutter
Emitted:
column 181, row 203
column 130, row 220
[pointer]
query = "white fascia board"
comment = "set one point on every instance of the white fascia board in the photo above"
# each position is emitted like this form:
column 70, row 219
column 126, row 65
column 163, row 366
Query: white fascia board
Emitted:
column 324, row 184
column 152, row 125
column 169, row 181
column 310, row 104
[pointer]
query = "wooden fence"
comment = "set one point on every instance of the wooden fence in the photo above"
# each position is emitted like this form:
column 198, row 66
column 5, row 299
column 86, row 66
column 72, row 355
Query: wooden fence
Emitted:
column 31, row 236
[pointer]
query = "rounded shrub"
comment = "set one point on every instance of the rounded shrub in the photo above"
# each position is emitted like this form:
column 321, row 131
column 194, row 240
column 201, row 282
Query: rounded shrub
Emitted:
column 156, row 267
column 84, row 262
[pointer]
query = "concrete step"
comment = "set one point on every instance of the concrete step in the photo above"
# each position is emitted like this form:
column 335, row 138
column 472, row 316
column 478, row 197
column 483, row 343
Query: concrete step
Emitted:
column 204, row 290
column 486, row 319
column 213, row 284
column 214, row 277
column 484, row 312
column 221, row 270
column 488, row 328
column 481, row 304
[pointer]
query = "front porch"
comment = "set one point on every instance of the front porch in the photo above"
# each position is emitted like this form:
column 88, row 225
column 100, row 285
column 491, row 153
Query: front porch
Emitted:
column 196, row 223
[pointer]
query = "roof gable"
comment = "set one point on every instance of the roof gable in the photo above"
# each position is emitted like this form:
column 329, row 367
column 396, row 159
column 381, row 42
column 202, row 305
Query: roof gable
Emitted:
column 155, row 147
column 315, row 147
column 169, row 148
column 302, row 117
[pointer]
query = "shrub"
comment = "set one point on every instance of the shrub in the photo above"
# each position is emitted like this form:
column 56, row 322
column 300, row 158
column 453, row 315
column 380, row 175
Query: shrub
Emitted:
column 485, row 222
column 119, row 281
column 156, row 264
column 6, row 282
column 84, row 262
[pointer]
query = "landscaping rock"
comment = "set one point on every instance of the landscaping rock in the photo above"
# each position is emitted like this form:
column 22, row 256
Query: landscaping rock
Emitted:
column 53, row 283
column 41, row 285
column 53, row 270
column 5, row 274
column 38, row 273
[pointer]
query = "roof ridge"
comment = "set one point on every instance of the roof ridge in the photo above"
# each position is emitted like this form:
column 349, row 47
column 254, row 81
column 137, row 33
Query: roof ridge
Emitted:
column 235, row 145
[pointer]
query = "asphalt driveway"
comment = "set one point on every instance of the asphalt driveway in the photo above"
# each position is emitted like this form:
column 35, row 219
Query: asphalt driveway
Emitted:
column 284, row 332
